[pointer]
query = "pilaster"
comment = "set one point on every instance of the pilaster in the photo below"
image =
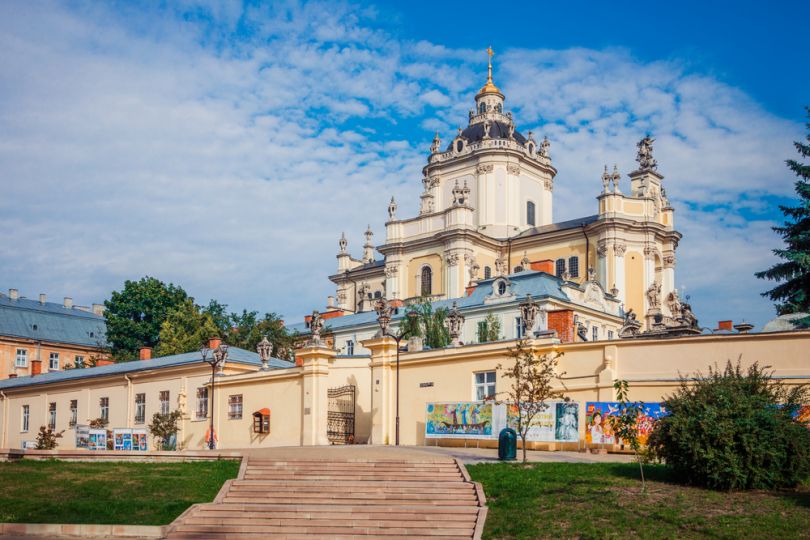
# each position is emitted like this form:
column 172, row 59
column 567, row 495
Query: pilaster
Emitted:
column 383, row 380
column 315, row 370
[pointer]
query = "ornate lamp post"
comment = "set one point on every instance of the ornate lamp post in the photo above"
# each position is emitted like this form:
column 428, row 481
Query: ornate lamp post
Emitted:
column 384, row 311
column 216, row 361
column 528, row 312
column 265, row 350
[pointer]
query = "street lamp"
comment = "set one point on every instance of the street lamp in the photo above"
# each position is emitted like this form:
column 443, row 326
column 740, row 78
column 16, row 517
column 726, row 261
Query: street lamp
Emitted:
column 384, row 311
column 265, row 349
column 216, row 361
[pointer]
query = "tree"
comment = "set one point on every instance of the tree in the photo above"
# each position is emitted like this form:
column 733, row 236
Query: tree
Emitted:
column 735, row 429
column 46, row 438
column 164, row 427
column 531, row 385
column 136, row 313
column 247, row 331
column 625, row 423
column 792, row 295
column 428, row 324
column 489, row 329
column 185, row 329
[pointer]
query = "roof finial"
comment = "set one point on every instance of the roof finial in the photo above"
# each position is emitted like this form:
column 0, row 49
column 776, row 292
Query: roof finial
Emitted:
column 490, row 87
column 491, row 53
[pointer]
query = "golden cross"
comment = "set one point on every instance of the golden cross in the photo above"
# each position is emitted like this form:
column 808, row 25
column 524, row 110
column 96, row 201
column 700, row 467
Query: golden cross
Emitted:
column 490, row 52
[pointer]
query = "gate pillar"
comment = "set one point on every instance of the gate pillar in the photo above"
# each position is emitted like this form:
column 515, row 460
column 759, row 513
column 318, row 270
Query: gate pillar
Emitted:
column 315, row 402
column 383, row 381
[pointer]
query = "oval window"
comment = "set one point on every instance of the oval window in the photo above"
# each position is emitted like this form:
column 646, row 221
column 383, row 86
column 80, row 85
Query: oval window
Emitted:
column 459, row 146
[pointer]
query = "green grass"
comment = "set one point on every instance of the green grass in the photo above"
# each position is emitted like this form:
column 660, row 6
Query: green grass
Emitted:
column 571, row 500
column 107, row 493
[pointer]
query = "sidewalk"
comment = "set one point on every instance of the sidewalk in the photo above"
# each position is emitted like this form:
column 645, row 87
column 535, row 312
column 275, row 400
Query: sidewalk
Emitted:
column 490, row 455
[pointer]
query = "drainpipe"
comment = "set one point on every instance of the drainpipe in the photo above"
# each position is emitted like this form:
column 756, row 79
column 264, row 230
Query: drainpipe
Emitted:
column 5, row 420
column 509, row 256
column 587, row 252
column 129, row 401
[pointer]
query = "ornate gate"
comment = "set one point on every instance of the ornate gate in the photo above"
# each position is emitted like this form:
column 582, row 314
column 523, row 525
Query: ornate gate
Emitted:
column 340, row 417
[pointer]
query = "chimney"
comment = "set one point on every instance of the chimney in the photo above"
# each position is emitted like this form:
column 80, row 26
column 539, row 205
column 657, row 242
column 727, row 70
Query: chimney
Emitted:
column 13, row 294
column 725, row 325
column 12, row 375
column 98, row 309
column 546, row 266
column 145, row 353
column 68, row 302
column 104, row 362
column 214, row 342
column 330, row 302
column 42, row 298
column 36, row 367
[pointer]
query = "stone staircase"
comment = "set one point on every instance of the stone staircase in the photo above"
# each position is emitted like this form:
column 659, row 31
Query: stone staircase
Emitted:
column 352, row 498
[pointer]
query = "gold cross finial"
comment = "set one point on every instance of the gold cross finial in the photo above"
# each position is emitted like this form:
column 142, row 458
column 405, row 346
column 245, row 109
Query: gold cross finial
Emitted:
column 490, row 52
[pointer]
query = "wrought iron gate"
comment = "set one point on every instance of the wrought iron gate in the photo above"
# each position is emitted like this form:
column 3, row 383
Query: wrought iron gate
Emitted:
column 340, row 417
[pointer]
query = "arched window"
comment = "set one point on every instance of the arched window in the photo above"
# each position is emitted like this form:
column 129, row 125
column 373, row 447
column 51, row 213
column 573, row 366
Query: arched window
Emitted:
column 378, row 294
column 427, row 281
column 573, row 266
column 482, row 108
column 518, row 269
column 498, row 108
column 560, row 267
column 487, row 272
column 530, row 213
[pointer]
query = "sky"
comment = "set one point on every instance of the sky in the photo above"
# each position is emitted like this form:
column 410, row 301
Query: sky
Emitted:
column 225, row 146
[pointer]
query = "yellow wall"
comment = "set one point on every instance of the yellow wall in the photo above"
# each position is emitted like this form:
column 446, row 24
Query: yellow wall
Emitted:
column 415, row 269
column 634, row 282
column 41, row 351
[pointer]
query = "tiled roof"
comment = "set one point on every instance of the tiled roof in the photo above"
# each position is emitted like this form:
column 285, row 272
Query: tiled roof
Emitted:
column 235, row 355
column 538, row 284
column 53, row 322
column 561, row 226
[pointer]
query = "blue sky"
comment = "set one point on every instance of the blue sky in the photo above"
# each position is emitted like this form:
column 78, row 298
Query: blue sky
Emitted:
column 224, row 147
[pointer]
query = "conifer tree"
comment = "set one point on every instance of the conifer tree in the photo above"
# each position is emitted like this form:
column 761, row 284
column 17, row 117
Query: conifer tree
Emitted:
column 792, row 294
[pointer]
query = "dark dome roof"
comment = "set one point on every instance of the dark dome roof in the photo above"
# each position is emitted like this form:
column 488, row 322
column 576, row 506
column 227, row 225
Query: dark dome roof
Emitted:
column 497, row 130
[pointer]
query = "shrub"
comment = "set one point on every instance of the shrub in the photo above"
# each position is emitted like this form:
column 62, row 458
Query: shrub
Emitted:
column 734, row 430
column 164, row 427
column 46, row 438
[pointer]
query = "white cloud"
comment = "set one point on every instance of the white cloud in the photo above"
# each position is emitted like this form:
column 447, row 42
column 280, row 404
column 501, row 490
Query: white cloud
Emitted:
column 229, row 160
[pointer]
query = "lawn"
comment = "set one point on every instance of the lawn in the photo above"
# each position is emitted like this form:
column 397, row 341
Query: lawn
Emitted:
column 102, row 493
column 571, row 500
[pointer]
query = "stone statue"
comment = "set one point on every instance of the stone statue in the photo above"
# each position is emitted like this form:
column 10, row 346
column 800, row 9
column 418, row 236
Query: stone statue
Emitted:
column 528, row 312
column 487, row 127
column 435, row 148
column 455, row 323
column 645, row 159
column 511, row 130
column 605, row 180
column 500, row 264
column 315, row 327
column 631, row 326
column 392, row 210
column 688, row 317
column 674, row 304
column 343, row 242
column 616, row 177
column 544, row 146
column 654, row 296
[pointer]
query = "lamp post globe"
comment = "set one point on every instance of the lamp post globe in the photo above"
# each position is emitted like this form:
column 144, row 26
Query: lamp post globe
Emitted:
column 265, row 350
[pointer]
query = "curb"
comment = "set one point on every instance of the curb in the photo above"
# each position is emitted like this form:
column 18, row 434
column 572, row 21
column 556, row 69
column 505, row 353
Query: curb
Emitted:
column 52, row 530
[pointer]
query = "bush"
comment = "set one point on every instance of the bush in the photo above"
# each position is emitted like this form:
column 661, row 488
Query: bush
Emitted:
column 734, row 430
column 46, row 438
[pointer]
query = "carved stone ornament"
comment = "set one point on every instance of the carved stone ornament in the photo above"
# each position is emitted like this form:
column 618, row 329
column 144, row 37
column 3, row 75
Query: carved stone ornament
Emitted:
column 513, row 169
column 645, row 159
column 484, row 168
column 631, row 326
column 391, row 271
column 392, row 210
column 616, row 177
column 602, row 249
column 528, row 312
column 525, row 262
column 342, row 243
column 437, row 144
column 455, row 323
column 426, row 206
column 650, row 252
column 452, row 259
column 315, row 327
column 341, row 297
column 363, row 289
column 594, row 296
column 654, row 296
column 605, row 180
column 674, row 304
column 619, row 249
column 544, row 147
column 487, row 127
column 669, row 261
column 500, row 264
column 549, row 184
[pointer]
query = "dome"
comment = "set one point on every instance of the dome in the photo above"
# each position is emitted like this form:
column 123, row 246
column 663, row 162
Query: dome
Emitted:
column 497, row 130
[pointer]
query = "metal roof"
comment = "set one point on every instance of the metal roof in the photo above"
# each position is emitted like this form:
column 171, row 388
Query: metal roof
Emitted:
column 49, row 321
column 538, row 284
column 235, row 355
column 561, row 226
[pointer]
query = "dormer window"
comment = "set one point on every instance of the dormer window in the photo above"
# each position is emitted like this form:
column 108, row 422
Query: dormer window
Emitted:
column 459, row 146
column 501, row 288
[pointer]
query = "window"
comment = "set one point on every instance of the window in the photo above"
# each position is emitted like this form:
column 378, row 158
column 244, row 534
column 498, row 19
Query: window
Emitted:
column 530, row 219
column 427, row 281
column 487, row 272
column 52, row 415
column 482, row 331
column 140, row 408
column 164, row 401
column 79, row 361
column 610, row 334
column 261, row 421
column 498, row 108
column 378, row 294
column 202, row 402
column 518, row 269
column 74, row 412
column 560, row 267
column 573, row 266
column 520, row 327
column 482, row 108
column 501, row 288
column 350, row 347
column 459, row 146
column 104, row 409
column 484, row 385
column 22, row 358
column 235, row 407
column 26, row 414
column 595, row 333
column 53, row 360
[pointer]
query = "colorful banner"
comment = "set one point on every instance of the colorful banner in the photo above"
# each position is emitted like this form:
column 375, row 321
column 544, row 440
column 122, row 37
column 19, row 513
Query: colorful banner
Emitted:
column 82, row 436
column 559, row 422
column 97, row 439
column 459, row 419
column 139, row 440
column 598, row 428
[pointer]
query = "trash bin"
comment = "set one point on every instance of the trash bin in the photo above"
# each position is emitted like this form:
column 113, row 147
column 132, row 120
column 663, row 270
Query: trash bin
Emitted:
column 507, row 444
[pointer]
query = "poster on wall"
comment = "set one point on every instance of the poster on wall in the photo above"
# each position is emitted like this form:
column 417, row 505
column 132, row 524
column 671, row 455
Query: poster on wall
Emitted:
column 559, row 422
column 122, row 439
column 82, row 436
column 802, row 415
column 597, row 425
column 459, row 419
column 97, row 439
column 139, row 441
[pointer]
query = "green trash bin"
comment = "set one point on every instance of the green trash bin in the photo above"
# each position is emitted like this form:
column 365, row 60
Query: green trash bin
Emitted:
column 507, row 444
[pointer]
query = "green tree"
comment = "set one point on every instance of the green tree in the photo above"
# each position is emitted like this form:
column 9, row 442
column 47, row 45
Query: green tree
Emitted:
column 247, row 329
column 792, row 295
column 185, row 329
column 531, row 385
column 489, row 329
column 164, row 427
column 46, row 438
column 428, row 324
column 625, row 423
column 220, row 316
column 136, row 313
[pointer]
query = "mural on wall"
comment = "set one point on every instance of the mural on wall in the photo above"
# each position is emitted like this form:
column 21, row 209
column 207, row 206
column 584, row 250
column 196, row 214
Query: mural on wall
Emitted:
column 599, row 431
column 558, row 423
column 459, row 419
column 802, row 415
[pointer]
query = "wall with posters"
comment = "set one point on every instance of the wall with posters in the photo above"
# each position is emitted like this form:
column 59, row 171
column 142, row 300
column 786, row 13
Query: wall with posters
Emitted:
column 459, row 419
column 597, row 423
